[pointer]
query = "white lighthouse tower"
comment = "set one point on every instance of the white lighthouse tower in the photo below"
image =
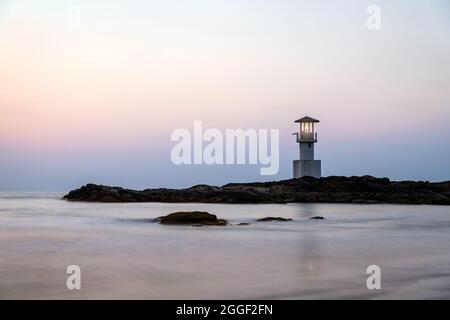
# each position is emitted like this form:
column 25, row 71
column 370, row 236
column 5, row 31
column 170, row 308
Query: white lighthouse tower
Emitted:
column 306, row 138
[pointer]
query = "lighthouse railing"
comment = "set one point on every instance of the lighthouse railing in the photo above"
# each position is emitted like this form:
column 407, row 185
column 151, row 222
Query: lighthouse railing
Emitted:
column 307, row 137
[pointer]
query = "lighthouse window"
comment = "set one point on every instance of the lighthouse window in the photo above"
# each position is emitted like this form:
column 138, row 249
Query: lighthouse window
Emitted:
column 309, row 144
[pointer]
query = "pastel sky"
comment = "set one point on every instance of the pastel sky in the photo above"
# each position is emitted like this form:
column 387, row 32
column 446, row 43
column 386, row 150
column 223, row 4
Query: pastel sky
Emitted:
column 97, row 101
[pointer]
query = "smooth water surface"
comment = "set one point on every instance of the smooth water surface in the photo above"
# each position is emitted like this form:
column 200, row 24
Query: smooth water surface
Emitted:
column 124, row 256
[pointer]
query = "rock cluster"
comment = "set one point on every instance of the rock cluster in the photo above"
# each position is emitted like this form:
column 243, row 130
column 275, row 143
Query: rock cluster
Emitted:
column 333, row 189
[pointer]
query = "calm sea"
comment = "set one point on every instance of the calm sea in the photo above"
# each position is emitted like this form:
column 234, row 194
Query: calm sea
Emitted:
column 123, row 256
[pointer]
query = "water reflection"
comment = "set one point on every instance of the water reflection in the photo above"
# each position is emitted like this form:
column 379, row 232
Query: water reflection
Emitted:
column 307, row 210
column 309, row 243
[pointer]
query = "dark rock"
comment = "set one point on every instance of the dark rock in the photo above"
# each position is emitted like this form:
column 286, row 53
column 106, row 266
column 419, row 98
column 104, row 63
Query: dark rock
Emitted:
column 244, row 224
column 195, row 218
column 365, row 201
column 317, row 218
column 333, row 189
column 273, row 219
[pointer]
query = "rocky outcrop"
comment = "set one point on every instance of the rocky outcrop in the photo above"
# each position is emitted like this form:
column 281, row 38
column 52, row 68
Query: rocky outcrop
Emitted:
column 334, row 189
column 195, row 218
column 273, row 219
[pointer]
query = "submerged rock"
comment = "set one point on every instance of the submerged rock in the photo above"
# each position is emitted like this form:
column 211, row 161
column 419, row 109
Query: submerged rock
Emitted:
column 273, row 219
column 365, row 201
column 195, row 218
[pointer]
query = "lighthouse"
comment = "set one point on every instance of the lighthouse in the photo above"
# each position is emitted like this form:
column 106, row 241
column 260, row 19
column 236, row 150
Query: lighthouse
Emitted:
column 306, row 138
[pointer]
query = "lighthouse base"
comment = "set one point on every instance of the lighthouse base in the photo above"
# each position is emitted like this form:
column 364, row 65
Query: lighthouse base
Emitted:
column 307, row 168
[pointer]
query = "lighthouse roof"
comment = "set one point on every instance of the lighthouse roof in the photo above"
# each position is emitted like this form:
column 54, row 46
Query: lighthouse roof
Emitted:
column 307, row 119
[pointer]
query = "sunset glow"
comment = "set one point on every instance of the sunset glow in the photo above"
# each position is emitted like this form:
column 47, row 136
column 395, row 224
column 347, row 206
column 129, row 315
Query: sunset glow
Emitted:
column 108, row 92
